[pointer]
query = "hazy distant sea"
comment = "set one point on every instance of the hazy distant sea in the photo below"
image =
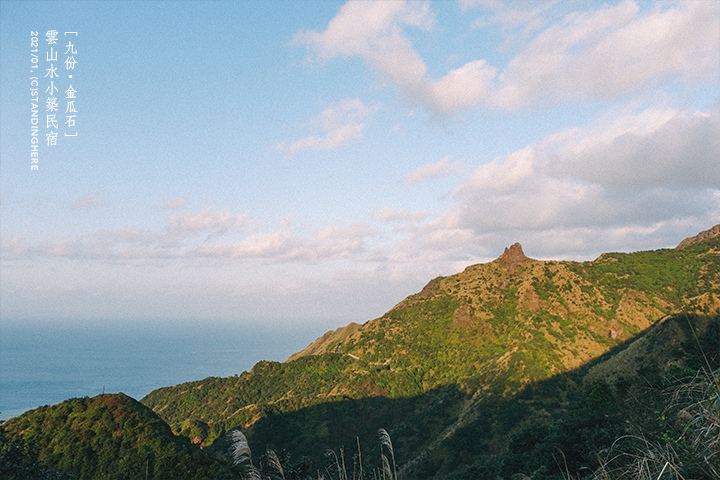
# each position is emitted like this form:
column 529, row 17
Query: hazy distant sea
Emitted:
column 46, row 363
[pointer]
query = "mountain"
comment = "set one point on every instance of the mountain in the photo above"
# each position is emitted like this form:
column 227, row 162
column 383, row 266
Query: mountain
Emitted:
column 510, row 369
column 108, row 436
column 700, row 237
column 467, row 345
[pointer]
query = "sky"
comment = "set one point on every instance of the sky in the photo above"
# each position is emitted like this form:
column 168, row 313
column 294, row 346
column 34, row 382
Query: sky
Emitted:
column 310, row 163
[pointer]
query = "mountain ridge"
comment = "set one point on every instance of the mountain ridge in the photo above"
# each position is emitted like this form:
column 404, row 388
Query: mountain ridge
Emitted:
column 512, row 261
column 493, row 327
column 486, row 373
column 700, row 237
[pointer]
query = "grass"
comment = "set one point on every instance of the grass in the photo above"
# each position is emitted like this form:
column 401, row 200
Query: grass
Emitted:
column 272, row 467
column 638, row 458
column 274, row 464
column 241, row 455
column 698, row 405
column 688, row 449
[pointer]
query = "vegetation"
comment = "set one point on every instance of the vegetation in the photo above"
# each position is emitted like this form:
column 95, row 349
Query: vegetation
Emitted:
column 107, row 437
column 272, row 467
column 686, row 441
column 516, row 368
column 493, row 328
column 629, row 418
column 17, row 462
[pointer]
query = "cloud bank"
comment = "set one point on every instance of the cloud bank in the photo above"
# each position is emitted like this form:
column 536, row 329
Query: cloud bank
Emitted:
column 644, row 172
column 601, row 54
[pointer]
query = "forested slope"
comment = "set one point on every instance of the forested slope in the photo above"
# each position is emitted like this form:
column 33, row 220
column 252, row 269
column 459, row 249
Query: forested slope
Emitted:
column 464, row 342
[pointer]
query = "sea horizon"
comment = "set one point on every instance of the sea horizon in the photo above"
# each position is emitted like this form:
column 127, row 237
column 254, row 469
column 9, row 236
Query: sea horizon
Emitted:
column 44, row 362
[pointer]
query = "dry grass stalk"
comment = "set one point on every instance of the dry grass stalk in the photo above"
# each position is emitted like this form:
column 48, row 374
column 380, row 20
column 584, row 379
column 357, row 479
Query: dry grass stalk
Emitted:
column 386, row 442
column 274, row 463
column 241, row 455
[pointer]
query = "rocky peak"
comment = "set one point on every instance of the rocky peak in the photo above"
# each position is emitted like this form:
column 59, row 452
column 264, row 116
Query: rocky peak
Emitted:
column 513, row 257
column 705, row 235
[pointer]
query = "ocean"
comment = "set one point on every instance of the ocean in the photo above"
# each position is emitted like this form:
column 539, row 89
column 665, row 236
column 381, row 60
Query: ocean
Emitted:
column 43, row 363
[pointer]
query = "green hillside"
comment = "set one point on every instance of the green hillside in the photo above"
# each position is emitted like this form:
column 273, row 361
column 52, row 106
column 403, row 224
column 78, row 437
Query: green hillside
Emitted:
column 466, row 343
column 107, row 437
column 513, row 369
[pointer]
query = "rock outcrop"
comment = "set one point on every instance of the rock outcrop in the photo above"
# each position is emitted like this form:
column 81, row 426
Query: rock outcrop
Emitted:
column 514, row 257
column 700, row 237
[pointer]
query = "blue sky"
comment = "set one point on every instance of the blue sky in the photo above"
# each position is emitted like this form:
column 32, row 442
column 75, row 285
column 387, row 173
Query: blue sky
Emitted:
column 314, row 162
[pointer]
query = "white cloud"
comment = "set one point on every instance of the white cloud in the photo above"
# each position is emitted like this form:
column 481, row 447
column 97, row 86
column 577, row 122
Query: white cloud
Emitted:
column 66, row 247
column 660, row 148
column 438, row 169
column 217, row 221
column 373, row 31
column 642, row 178
column 462, row 87
column 339, row 241
column 124, row 235
column 126, row 243
column 613, row 51
column 637, row 171
column 435, row 243
column 600, row 54
column 88, row 201
column 631, row 177
column 180, row 233
column 502, row 174
column 527, row 14
column 342, row 123
column 203, row 234
column 328, row 242
column 338, row 137
column 14, row 247
column 279, row 244
column 387, row 214
column 346, row 111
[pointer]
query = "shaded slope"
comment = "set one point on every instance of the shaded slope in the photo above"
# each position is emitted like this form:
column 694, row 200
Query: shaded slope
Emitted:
column 492, row 372
column 549, row 428
column 205, row 409
column 489, row 330
column 574, row 423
